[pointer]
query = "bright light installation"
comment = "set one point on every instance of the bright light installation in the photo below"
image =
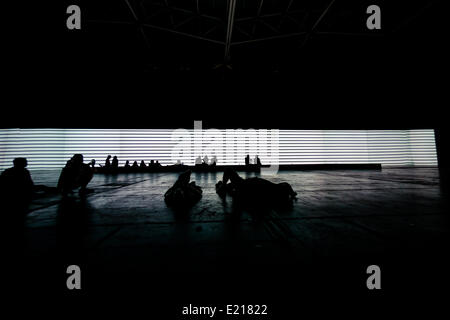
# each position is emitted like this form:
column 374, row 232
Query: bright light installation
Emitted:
column 51, row 148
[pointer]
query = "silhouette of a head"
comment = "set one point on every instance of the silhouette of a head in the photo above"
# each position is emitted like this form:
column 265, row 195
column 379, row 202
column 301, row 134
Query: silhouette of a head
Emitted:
column 228, row 174
column 20, row 162
column 185, row 177
column 77, row 158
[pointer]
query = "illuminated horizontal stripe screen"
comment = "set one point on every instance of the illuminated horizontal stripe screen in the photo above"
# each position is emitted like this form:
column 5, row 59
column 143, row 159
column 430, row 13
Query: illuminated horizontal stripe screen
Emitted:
column 51, row 148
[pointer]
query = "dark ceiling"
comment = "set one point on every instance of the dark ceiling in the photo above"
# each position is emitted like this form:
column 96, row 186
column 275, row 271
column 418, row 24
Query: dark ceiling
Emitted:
column 267, row 63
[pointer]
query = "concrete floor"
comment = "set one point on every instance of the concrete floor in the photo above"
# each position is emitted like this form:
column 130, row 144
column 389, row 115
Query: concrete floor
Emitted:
column 131, row 246
column 338, row 213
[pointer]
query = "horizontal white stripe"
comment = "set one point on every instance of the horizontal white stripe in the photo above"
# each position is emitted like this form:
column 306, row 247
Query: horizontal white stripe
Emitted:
column 51, row 148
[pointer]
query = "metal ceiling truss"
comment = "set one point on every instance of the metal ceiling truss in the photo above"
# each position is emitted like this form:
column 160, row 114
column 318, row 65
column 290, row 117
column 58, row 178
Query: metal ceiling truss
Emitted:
column 226, row 23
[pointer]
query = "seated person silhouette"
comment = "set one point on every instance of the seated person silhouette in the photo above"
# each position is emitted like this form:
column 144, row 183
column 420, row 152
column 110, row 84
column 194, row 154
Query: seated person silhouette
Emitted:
column 158, row 164
column 135, row 165
column 213, row 161
column 92, row 165
column 198, row 161
column 115, row 163
column 16, row 185
column 257, row 161
column 247, row 160
column 127, row 166
column 143, row 165
column 152, row 165
column 108, row 162
column 183, row 194
column 75, row 174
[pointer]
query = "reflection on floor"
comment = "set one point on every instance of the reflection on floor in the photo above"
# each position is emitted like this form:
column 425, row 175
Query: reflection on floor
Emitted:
column 338, row 213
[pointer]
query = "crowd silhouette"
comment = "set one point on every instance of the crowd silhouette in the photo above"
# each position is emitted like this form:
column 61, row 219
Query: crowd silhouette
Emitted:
column 206, row 164
column 112, row 166
column 17, row 188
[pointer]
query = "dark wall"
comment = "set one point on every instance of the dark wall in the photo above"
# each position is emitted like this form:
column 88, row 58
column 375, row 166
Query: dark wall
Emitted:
column 102, row 77
column 443, row 144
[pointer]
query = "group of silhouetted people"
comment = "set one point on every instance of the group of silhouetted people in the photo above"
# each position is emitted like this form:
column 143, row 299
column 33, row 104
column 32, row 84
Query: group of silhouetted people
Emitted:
column 205, row 162
column 17, row 188
column 256, row 161
column 113, row 165
column 250, row 193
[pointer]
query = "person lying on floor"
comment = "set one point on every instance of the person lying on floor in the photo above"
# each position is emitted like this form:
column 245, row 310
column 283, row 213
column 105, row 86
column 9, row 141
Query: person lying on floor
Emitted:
column 255, row 191
column 183, row 193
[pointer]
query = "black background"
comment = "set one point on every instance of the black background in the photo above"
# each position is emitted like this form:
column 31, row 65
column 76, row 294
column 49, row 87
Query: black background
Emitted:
column 87, row 78
column 60, row 78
